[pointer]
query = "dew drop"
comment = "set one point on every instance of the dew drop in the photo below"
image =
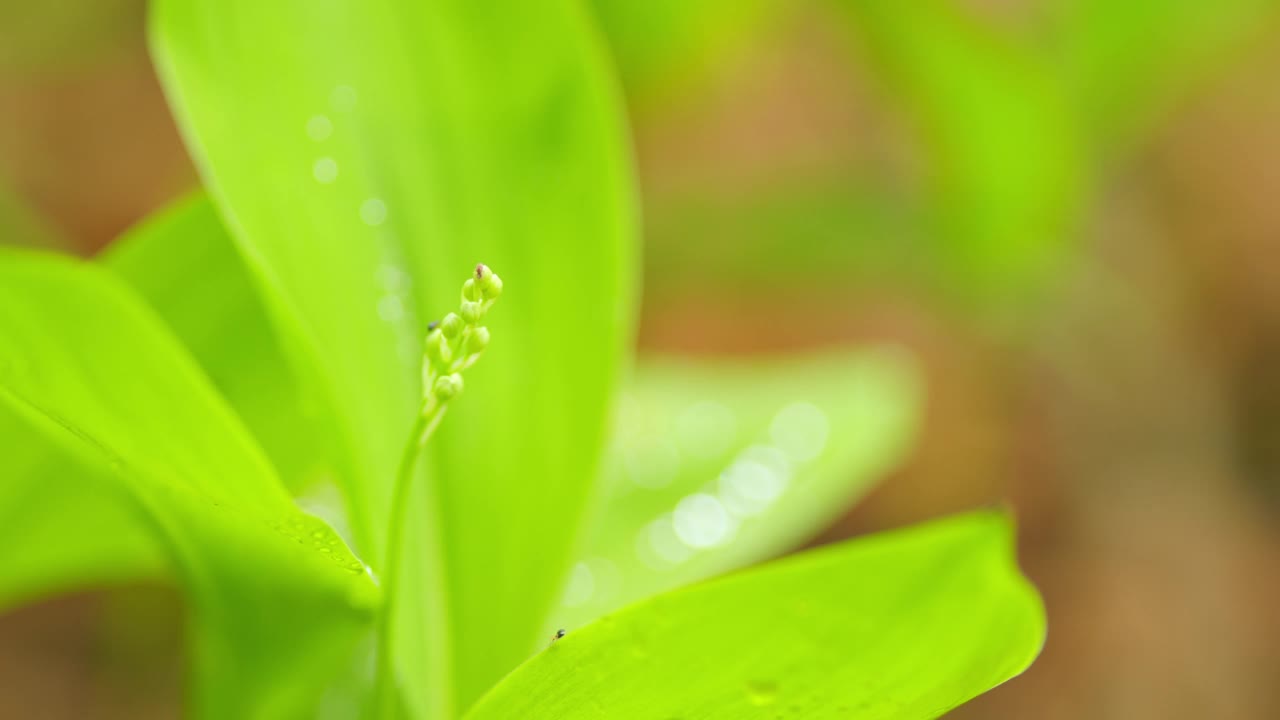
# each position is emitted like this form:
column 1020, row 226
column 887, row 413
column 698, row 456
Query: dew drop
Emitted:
column 701, row 521
column 373, row 212
column 658, row 547
column 800, row 430
column 391, row 308
column 325, row 170
column 762, row 692
column 319, row 128
column 343, row 98
column 757, row 478
column 391, row 278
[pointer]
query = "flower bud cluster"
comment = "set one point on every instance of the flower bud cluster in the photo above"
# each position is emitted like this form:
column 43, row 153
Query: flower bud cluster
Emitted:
column 455, row 343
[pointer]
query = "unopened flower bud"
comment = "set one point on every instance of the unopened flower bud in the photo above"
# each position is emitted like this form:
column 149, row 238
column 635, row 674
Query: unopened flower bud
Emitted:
column 457, row 334
column 492, row 287
column 451, row 325
column 448, row 386
column 472, row 312
column 437, row 349
column 470, row 291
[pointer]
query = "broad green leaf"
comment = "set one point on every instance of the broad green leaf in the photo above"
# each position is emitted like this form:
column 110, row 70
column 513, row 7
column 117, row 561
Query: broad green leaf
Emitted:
column 183, row 263
column 72, row 534
column 727, row 462
column 95, row 390
column 388, row 148
column 904, row 625
column 1003, row 149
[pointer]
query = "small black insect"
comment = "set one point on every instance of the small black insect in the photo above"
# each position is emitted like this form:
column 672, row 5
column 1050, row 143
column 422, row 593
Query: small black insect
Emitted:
column 559, row 634
column 433, row 325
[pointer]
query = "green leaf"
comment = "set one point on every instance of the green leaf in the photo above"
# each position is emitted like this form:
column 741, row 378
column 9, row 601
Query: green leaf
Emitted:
column 905, row 624
column 73, row 535
column 183, row 263
column 366, row 155
column 727, row 462
column 91, row 380
column 1005, row 161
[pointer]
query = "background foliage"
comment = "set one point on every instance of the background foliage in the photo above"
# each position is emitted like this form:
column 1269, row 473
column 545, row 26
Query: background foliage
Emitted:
column 1044, row 227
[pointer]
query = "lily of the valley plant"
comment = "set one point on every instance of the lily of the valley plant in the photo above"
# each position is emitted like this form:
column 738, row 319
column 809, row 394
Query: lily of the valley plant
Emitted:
column 234, row 400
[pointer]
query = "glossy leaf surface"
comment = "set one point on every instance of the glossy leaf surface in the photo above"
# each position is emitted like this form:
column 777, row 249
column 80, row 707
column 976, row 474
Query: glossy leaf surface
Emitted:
column 107, row 409
column 903, row 625
column 390, row 147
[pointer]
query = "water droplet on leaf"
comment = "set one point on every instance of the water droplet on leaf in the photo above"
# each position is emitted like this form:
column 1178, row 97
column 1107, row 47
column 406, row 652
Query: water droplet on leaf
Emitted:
column 762, row 692
column 343, row 99
column 319, row 128
column 325, row 170
column 373, row 212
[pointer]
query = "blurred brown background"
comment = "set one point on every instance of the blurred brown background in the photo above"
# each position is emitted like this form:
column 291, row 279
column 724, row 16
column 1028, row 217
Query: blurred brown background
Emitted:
column 1129, row 409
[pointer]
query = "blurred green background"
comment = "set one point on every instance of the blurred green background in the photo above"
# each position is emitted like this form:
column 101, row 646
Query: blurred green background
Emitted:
column 1067, row 209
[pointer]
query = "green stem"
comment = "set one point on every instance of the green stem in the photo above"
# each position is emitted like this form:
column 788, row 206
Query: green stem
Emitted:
column 384, row 683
